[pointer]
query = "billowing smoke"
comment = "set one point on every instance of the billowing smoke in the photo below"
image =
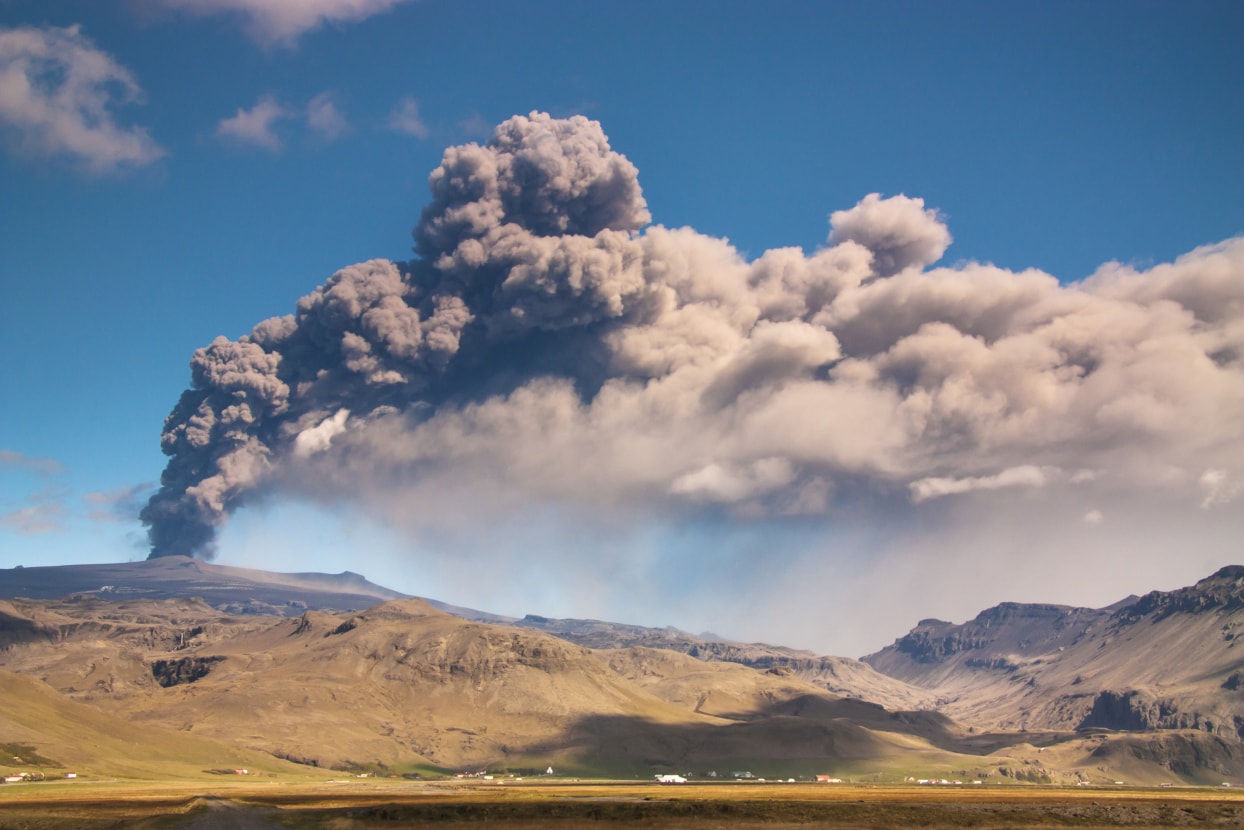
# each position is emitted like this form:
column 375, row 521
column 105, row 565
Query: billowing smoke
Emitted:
column 547, row 346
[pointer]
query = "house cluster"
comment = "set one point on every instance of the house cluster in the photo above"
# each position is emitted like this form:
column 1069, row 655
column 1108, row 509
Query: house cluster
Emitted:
column 18, row 778
column 747, row 775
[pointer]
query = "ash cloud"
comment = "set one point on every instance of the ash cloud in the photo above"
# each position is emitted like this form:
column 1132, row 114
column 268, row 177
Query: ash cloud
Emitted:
column 548, row 347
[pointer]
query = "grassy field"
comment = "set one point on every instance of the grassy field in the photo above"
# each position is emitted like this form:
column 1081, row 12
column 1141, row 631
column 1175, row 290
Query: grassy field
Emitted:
column 522, row 805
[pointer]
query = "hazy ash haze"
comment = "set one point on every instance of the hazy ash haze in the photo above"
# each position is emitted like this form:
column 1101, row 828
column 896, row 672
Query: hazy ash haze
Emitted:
column 569, row 394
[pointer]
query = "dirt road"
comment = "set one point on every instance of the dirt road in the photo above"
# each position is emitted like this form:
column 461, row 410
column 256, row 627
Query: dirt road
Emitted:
column 223, row 814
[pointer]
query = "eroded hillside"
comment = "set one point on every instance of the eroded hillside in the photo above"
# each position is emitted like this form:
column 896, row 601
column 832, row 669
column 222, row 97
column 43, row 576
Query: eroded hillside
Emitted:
column 1168, row 660
column 1145, row 693
column 403, row 683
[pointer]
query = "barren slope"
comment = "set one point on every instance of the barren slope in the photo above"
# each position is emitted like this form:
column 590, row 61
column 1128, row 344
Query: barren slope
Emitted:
column 246, row 591
column 399, row 683
column 407, row 686
column 839, row 675
column 68, row 736
column 1168, row 660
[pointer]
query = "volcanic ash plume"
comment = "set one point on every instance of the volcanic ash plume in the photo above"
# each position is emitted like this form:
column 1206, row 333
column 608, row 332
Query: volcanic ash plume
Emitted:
column 548, row 346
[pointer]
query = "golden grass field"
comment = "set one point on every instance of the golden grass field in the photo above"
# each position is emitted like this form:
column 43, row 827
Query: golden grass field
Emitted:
column 520, row 805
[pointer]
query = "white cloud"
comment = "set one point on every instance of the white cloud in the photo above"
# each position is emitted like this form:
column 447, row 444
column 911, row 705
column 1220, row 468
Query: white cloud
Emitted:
column 716, row 483
column 58, row 92
column 320, row 437
column 1217, row 488
column 325, row 118
column 257, row 125
column 405, row 119
column 283, row 21
column 932, row 488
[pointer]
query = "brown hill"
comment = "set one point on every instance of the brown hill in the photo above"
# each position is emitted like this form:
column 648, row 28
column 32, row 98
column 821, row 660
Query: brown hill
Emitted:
column 1168, row 660
column 246, row 591
column 405, row 686
column 840, row 675
column 44, row 732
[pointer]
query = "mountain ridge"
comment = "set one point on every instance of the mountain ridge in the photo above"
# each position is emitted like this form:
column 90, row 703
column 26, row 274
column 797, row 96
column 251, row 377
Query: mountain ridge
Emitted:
column 248, row 591
column 242, row 590
column 1157, row 662
column 332, row 671
column 403, row 683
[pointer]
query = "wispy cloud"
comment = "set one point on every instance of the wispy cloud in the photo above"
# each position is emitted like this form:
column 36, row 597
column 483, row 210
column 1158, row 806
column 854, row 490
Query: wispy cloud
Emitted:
column 256, row 125
column 42, row 517
column 29, row 463
column 58, row 92
column 122, row 504
column 42, row 511
column 476, row 126
column 53, row 507
column 284, row 21
column 324, row 116
column 405, row 118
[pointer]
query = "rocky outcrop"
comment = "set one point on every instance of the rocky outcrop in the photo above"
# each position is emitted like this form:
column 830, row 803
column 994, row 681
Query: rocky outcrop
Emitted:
column 1018, row 628
column 16, row 627
column 1137, row 711
column 1189, row 754
column 1222, row 591
column 1166, row 661
column 170, row 673
column 1126, row 711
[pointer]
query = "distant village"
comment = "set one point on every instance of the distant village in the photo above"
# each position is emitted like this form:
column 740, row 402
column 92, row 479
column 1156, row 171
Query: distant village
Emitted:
column 18, row 778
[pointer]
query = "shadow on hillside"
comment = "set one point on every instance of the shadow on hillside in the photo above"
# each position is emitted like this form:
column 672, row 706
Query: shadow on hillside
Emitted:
column 806, row 728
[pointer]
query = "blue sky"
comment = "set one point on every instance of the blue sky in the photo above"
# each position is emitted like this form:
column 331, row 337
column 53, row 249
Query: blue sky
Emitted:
column 1057, row 136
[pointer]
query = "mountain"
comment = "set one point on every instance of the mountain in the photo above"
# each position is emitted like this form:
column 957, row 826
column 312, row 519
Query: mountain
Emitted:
column 334, row 672
column 1167, row 660
column 840, row 675
column 236, row 590
column 403, row 686
column 246, row 591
